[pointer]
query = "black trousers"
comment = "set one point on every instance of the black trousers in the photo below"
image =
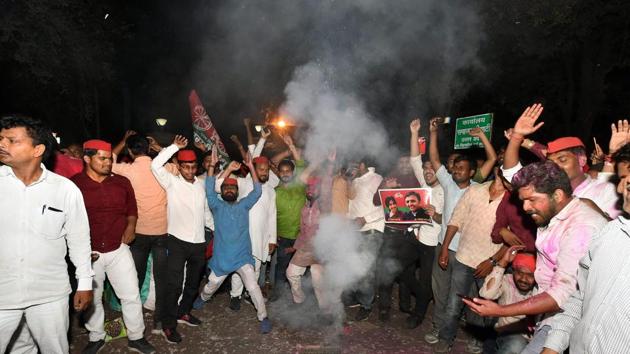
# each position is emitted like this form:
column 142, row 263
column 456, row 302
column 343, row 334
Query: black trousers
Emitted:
column 401, row 254
column 180, row 254
column 283, row 262
column 141, row 247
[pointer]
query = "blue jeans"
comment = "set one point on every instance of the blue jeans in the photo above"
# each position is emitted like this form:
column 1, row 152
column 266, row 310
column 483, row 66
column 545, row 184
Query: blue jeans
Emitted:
column 511, row 344
column 537, row 343
column 461, row 281
column 441, row 285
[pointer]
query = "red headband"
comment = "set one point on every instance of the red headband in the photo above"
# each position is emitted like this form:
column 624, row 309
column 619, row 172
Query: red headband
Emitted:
column 260, row 159
column 564, row 143
column 186, row 156
column 525, row 260
column 96, row 144
column 230, row 182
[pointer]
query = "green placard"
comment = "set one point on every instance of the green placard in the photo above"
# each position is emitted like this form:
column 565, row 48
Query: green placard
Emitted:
column 462, row 125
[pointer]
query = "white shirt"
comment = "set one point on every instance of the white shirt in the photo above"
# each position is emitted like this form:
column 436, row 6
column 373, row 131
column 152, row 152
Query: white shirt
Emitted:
column 362, row 205
column 187, row 207
column 37, row 222
column 262, row 216
column 428, row 234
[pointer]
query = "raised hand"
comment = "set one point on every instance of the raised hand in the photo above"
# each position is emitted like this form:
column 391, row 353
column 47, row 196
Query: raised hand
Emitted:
column 265, row 133
column 153, row 144
column 234, row 166
column 332, row 155
column 201, row 146
column 526, row 123
column 415, row 125
column 236, row 140
column 476, row 132
column 287, row 140
column 508, row 133
column 129, row 133
column 214, row 156
column 180, row 141
column 598, row 154
column 247, row 122
column 509, row 255
column 434, row 124
column 620, row 136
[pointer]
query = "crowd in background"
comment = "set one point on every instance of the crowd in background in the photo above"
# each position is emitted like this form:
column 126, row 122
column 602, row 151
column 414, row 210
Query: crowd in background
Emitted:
column 535, row 252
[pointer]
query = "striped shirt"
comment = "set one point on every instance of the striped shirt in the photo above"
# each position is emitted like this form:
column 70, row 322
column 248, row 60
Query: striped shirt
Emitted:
column 596, row 318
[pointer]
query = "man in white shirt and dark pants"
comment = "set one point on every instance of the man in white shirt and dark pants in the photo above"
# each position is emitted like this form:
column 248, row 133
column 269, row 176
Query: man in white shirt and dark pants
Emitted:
column 187, row 214
column 42, row 216
column 371, row 221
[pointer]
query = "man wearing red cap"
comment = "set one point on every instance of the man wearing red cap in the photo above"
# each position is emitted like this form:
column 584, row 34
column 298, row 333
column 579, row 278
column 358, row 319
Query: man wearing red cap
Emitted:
column 508, row 289
column 569, row 154
column 305, row 250
column 43, row 219
column 262, row 219
column 111, row 207
column 188, row 214
column 232, row 243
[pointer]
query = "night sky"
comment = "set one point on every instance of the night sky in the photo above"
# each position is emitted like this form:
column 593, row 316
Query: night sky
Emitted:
column 65, row 63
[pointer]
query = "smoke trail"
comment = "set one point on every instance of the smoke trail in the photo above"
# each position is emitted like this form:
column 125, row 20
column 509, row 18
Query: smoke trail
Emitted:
column 353, row 73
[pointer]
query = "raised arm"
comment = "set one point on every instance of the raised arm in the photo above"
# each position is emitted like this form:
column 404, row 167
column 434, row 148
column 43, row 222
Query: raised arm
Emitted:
column 525, row 125
column 434, row 153
column 255, row 194
column 238, row 144
column 248, row 128
column 121, row 144
column 619, row 136
column 491, row 155
column 157, row 165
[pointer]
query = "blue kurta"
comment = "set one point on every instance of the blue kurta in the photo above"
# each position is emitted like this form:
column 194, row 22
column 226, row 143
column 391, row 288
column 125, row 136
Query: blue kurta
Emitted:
column 232, row 245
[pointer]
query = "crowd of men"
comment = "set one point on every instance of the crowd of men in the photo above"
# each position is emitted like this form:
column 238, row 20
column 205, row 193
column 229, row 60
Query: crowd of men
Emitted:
column 534, row 251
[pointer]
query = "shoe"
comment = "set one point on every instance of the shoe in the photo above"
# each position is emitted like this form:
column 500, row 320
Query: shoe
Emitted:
column 432, row 337
column 383, row 315
column 93, row 347
column 189, row 320
column 141, row 346
column 265, row 326
column 474, row 346
column 199, row 302
column 157, row 328
column 171, row 335
column 235, row 303
column 412, row 322
column 442, row 347
column 363, row 314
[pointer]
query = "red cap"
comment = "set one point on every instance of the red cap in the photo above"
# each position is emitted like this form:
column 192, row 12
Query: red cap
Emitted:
column 186, row 156
column 96, row 144
column 564, row 143
column 526, row 261
column 311, row 181
column 230, row 182
column 260, row 159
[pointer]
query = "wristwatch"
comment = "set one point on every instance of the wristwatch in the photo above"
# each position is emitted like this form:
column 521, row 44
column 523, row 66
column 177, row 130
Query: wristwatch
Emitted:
column 493, row 261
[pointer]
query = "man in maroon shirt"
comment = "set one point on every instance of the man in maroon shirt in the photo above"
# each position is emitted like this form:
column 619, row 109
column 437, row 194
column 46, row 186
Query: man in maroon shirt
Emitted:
column 112, row 213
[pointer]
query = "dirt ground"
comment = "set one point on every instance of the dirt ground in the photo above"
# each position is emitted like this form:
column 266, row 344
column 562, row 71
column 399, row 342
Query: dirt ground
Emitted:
column 295, row 330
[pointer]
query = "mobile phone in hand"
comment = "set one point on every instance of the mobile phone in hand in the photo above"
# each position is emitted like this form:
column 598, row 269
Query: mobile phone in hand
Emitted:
column 464, row 297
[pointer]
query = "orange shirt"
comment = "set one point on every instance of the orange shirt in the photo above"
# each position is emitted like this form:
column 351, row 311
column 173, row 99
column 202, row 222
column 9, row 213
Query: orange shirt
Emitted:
column 150, row 196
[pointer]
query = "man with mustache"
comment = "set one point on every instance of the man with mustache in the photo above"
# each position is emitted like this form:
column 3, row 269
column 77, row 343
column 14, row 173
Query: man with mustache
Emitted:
column 187, row 215
column 232, row 244
column 566, row 226
column 43, row 219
